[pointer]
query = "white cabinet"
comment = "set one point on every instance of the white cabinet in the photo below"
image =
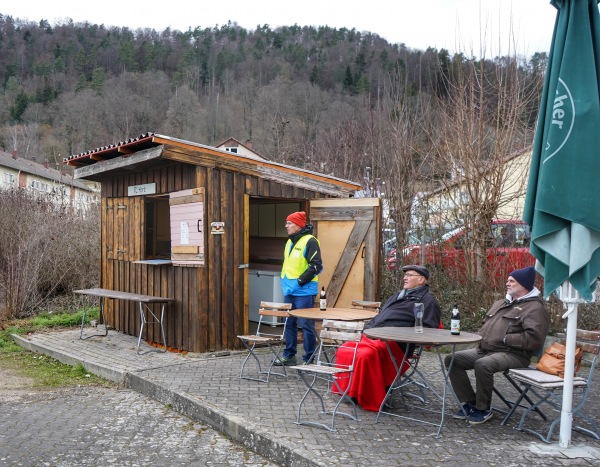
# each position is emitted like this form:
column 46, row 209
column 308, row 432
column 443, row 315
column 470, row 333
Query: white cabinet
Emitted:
column 264, row 286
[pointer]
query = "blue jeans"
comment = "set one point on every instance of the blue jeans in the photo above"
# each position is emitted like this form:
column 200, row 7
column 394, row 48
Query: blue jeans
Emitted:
column 307, row 325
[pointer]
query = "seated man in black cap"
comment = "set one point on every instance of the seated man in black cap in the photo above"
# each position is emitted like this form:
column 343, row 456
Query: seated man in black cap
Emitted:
column 374, row 370
column 513, row 330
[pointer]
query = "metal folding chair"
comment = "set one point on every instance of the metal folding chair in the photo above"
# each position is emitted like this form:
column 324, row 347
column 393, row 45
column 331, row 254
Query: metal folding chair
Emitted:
column 323, row 374
column 412, row 377
column 266, row 336
column 512, row 404
column 547, row 389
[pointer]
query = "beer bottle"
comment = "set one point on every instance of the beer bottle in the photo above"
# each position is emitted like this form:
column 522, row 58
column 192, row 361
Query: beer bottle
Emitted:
column 323, row 300
column 455, row 321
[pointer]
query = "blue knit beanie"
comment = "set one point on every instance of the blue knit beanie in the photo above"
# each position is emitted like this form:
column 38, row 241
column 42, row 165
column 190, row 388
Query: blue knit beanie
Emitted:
column 525, row 277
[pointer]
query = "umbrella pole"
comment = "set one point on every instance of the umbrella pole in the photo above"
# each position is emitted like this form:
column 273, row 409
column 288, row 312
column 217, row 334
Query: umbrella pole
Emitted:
column 566, row 415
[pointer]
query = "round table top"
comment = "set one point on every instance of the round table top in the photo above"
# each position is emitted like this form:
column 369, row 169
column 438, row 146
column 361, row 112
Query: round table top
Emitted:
column 341, row 314
column 429, row 336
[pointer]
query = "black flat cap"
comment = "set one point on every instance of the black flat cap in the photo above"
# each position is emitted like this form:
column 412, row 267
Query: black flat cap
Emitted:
column 422, row 270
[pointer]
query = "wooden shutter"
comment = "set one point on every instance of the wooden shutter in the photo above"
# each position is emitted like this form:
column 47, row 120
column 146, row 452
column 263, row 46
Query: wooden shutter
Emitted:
column 124, row 228
column 187, row 227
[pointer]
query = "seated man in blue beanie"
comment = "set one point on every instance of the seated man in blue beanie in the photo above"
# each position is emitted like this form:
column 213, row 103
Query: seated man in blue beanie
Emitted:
column 513, row 330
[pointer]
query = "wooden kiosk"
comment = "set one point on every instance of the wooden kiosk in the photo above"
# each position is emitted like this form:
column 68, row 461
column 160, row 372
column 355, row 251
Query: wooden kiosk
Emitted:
column 189, row 221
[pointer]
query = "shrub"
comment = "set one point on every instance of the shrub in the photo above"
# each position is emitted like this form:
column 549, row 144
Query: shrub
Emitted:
column 474, row 299
column 46, row 252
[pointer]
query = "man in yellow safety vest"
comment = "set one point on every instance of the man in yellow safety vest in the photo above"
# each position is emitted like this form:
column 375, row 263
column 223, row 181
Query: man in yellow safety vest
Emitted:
column 299, row 280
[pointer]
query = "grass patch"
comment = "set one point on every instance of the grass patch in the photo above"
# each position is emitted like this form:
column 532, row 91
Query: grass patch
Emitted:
column 43, row 371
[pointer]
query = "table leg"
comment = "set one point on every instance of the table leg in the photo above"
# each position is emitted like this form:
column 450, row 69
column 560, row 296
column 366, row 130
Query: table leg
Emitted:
column 101, row 304
column 446, row 374
column 142, row 322
column 447, row 386
column 395, row 384
column 155, row 319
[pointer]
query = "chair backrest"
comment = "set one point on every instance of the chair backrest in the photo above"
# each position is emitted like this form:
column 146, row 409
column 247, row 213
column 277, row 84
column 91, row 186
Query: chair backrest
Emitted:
column 333, row 335
column 589, row 341
column 279, row 310
column 367, row 305
column 274, row 309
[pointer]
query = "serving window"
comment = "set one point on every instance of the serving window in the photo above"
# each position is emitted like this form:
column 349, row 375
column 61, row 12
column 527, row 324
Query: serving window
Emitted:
column 156, row 229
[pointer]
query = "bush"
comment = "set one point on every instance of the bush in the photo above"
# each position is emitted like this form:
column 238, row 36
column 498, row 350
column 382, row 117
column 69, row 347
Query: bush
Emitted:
column 474, row 299
column 46, row 252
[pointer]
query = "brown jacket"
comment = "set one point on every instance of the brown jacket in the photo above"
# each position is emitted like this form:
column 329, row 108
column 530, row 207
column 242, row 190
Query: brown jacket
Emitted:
column 519, row 326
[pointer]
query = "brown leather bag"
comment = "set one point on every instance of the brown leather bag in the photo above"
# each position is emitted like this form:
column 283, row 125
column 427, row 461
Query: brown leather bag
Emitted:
column 553, row 360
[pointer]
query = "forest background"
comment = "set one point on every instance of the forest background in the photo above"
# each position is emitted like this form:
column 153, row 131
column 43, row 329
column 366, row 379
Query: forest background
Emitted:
column 335, row 101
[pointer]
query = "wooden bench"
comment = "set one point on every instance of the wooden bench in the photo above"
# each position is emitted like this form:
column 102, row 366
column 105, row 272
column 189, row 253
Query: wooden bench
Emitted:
column 143, row 302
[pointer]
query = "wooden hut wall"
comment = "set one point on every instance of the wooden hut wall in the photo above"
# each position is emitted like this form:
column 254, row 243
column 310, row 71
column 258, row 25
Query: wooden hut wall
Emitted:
column 209, row 311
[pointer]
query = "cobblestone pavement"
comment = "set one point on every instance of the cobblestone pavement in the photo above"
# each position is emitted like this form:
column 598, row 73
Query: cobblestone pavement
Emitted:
column 103, row 426
column 261, row 416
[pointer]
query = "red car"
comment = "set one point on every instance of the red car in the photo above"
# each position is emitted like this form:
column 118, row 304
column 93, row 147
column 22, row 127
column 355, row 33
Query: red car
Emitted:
column 507, row 250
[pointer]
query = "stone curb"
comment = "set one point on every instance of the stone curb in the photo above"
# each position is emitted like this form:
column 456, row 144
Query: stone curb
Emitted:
column 240, row 430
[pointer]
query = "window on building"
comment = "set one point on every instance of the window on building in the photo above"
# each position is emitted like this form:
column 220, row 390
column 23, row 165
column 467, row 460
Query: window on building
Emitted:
column 158, row 234
column 232, row 149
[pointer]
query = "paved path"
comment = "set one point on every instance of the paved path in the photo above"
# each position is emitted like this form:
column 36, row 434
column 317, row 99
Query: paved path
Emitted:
column 106, row 426
column 261, row 416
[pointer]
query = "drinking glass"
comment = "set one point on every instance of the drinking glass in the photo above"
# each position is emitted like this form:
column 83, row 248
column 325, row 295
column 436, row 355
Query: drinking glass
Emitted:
column 419, row 310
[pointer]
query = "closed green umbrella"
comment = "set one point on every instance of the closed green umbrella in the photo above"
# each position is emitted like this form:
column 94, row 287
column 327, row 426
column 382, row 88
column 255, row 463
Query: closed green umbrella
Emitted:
column 563, row 195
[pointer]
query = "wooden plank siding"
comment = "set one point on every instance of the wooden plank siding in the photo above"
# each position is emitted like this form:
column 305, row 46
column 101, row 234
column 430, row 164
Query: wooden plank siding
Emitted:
column 210, row 307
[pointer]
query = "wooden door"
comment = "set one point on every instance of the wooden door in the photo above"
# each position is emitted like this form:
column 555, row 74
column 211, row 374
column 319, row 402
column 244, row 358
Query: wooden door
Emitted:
column 349, row 233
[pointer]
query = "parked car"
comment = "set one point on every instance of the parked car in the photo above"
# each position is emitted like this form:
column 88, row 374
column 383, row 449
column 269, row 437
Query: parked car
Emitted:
column 413, row 239
column 507, row 249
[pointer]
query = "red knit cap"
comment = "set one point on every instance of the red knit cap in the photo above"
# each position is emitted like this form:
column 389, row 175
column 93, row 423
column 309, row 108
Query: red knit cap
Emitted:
column 298, row 218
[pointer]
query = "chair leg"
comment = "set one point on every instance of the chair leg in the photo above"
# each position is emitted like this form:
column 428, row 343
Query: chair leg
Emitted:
column 513, row 405
column 577, row 412
column 251, row 354
column 276, row 355
column 521, row 427
column 343, row 396
column 595, row 433
column 310, row 385
column 269, row 372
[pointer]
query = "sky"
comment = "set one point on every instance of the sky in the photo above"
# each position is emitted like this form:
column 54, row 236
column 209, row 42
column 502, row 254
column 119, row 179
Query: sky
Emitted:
column 455, row 25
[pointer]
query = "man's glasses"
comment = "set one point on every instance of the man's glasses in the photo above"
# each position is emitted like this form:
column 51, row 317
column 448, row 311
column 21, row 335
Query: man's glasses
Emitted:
column 412, row 275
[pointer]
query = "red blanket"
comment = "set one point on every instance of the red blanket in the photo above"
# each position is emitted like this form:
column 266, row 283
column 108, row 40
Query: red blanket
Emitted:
column 373, row 370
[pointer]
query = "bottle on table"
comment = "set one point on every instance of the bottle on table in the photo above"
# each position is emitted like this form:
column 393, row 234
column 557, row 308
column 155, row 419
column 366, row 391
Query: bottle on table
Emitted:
column 323, row 300
column 455, row 321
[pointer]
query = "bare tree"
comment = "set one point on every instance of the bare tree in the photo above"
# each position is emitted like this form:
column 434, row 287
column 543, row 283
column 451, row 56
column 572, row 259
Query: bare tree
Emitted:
column 481, row 118
column 403, row 163
column 46, row 250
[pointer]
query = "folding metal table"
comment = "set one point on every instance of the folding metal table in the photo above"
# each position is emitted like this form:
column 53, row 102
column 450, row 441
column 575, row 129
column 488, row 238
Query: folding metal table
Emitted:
column 435, row 338
column 143, row 302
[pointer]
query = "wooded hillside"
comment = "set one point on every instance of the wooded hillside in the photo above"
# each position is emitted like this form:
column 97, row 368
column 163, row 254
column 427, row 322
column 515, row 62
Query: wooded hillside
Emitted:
column 330, row 100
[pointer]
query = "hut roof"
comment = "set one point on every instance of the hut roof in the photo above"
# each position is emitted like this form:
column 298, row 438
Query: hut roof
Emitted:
column 149, row 146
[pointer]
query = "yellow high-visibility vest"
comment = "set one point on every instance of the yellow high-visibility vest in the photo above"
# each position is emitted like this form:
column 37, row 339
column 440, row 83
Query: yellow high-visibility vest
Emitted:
column 294, row 262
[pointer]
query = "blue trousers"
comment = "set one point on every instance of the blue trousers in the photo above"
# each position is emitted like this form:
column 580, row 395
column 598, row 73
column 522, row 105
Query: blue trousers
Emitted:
column 307, row 325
